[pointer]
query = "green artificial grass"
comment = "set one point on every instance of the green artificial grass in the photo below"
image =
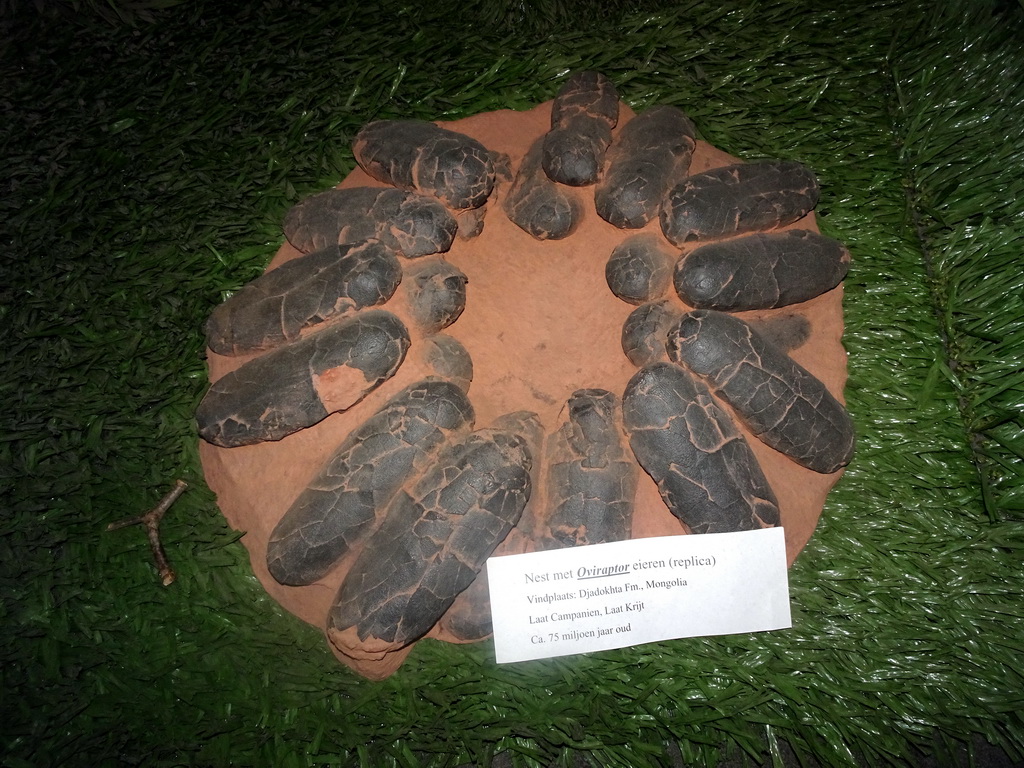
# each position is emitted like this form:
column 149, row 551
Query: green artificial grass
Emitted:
column 147, row 169
column 963, row 148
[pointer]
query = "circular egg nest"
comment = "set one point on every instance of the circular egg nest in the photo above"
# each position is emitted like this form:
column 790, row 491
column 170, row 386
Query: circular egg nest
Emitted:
column 467, row 358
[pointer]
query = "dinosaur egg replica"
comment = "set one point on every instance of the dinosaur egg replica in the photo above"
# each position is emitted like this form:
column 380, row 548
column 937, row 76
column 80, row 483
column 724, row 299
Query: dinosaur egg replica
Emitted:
column 522, row 331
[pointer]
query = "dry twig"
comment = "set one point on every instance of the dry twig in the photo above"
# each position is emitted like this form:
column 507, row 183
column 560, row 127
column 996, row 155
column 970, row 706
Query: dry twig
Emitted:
column 151, row 520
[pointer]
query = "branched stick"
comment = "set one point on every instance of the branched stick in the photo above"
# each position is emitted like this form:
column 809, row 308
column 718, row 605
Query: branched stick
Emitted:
column 151, row 520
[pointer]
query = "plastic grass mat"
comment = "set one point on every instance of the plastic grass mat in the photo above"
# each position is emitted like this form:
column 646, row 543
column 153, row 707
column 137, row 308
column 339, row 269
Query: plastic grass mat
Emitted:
column 146, row 170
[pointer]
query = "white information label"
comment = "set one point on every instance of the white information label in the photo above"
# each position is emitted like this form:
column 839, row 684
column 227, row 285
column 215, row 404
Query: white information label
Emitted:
column 605, row 596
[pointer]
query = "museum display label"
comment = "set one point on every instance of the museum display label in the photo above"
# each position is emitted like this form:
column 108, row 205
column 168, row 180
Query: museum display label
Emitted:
column 603, row 596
